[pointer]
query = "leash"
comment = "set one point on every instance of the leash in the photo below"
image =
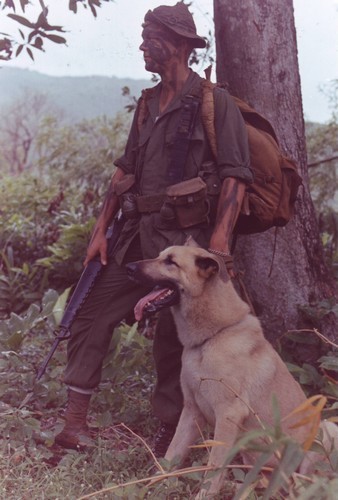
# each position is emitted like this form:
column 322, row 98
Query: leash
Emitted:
column 238, row 276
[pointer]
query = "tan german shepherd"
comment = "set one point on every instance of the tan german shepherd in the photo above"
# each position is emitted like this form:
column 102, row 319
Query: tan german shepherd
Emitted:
column 230, row 372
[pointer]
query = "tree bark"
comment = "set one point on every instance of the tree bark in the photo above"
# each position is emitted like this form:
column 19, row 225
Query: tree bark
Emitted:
column 257, row 56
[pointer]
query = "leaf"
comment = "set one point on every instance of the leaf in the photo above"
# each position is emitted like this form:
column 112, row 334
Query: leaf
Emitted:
column 276, row 416
column 30, row 53
column 55, row 38
column 19, row 50
column 25, row 266
column 60, row 304
column 329, row 363
column 23, row 4
column 311, row 410
column 49, row 296
column 32, row 314
column 21, row 20
column 131, row 334
column 307, row 404
column 42, row 19
column 15, row 341
column 22, row 35
column 32, row 34
column 38, row 43
column 92, row 8
column 73, row 6
column 253, row 474
column 291, row 458
column 209, row 443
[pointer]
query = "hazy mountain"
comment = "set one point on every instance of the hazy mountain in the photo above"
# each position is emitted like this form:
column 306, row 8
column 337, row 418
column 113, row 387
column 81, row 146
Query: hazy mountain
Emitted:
column 78, row 97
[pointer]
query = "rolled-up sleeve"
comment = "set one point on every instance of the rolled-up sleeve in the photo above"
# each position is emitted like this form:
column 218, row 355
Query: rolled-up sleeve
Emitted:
column 233, row 156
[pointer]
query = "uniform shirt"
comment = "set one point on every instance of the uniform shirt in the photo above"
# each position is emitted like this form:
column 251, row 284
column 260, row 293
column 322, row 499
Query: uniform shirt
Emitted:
column 148, row 154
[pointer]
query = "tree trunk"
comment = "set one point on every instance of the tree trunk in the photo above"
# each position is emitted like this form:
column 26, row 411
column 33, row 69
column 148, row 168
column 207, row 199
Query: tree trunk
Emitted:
column 257, row 56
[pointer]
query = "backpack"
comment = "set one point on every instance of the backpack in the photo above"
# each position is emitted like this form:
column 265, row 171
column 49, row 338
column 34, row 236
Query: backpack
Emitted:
column 269, row 200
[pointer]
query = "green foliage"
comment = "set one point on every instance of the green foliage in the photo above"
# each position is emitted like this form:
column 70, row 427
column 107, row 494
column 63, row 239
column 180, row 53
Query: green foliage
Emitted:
column 317, row 376
column 322, row 148
column 48, row 212
column 47, row 216
column 120, row 455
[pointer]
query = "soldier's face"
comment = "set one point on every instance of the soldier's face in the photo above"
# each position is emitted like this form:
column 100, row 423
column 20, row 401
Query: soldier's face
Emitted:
column 158, row 48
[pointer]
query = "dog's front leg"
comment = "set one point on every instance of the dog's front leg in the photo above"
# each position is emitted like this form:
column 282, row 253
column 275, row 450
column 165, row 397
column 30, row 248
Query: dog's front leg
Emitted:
column 226, row 431
column 187, row 432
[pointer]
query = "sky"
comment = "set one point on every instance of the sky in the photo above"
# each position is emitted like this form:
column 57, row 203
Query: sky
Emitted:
column 108, row 45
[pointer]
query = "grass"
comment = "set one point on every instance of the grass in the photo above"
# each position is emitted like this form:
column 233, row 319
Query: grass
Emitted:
column 120, row 464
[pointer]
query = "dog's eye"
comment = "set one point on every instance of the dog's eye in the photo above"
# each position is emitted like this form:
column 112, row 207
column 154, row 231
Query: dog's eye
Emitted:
column 170, row 261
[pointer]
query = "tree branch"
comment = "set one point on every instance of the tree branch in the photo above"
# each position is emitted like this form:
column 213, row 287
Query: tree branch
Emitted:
column 319, row 162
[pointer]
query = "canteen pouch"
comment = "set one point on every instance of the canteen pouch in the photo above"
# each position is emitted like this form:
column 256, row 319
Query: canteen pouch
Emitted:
column 186, row 203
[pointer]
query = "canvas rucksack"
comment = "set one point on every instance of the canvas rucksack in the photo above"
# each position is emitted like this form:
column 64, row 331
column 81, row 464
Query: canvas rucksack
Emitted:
column 269, row 200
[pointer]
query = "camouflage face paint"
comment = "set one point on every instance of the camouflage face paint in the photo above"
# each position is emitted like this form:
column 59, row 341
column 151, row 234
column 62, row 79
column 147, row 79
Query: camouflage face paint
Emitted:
column 158, row 47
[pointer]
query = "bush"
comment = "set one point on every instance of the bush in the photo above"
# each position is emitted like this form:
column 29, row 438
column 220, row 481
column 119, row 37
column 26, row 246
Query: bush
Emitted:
column 120, row 462
column 47, row 214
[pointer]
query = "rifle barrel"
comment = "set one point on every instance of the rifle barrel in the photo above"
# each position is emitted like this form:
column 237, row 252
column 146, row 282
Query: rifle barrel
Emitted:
column 82, row 289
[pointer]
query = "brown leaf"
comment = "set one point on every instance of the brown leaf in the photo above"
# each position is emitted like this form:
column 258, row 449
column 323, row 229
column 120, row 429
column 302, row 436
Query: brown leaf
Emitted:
column 30, row 53
column 21, row 20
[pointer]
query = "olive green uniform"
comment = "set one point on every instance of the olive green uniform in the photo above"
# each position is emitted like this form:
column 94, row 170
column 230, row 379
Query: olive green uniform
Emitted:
column 147, row 155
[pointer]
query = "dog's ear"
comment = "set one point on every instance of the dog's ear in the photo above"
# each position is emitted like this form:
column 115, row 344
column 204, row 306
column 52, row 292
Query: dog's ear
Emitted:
column 207, row 266
column 190, row 242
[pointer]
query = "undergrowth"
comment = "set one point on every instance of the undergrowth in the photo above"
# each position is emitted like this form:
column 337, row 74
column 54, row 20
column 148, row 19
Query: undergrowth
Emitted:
column 31, row 466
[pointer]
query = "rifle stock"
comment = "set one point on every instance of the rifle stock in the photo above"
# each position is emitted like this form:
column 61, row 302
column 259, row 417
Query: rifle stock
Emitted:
column 82, row 290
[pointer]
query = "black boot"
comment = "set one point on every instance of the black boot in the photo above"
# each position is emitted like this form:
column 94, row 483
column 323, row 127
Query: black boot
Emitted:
column 163, row 439
column 75, row 434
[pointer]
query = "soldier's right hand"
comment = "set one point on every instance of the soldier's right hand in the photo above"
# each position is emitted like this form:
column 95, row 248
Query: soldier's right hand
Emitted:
column 97, row 246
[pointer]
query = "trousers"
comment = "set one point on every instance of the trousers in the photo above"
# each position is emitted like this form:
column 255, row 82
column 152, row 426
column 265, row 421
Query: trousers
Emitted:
column 111, row 300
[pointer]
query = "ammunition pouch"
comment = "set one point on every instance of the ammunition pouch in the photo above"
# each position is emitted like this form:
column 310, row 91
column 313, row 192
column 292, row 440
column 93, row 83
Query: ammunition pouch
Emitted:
column 186, row 204
column 183, row 205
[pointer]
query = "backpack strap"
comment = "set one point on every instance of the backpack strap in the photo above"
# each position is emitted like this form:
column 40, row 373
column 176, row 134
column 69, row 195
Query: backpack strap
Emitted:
column 208, row 113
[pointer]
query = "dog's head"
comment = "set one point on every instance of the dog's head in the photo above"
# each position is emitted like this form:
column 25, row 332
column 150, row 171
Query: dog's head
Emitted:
column 177, row 272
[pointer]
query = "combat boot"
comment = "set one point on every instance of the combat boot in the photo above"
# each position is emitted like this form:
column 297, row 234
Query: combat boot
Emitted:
column 75, row 434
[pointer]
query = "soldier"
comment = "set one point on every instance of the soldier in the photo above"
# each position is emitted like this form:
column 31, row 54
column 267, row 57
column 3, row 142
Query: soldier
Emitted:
column 167, row 146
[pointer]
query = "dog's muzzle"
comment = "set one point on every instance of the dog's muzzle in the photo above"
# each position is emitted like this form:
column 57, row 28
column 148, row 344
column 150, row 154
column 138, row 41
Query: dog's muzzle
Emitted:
column 165, row 293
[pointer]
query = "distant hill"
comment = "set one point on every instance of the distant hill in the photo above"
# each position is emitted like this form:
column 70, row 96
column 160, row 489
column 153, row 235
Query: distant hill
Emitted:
column 78, row 97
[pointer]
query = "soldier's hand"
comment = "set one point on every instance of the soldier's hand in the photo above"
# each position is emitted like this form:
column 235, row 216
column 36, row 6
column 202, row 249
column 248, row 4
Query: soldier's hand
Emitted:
column 97, row 246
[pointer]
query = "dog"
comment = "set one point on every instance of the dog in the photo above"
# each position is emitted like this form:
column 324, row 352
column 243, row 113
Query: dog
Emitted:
column 230, row 372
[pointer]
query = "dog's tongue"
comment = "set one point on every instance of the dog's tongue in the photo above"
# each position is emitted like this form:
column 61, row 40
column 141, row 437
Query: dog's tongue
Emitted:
column 140, row 307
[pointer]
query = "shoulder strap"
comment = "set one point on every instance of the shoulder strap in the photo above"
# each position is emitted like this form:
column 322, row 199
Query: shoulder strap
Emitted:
column 250, row 115
column 208, row 113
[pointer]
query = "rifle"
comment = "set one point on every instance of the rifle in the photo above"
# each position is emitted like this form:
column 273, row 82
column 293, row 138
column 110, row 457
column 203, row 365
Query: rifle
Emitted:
column 81, row 291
